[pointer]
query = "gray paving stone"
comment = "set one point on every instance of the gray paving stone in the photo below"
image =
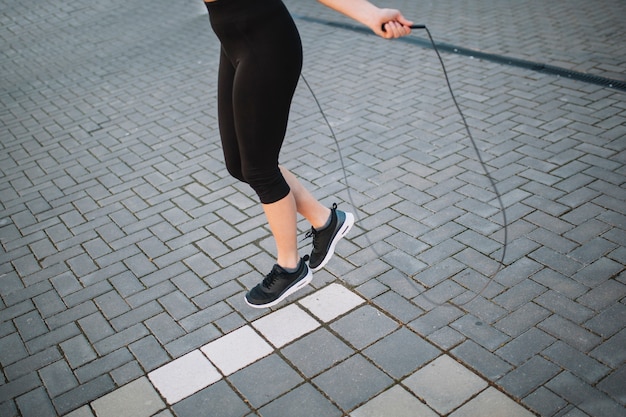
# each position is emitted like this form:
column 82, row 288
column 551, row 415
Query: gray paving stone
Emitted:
column 35, row 404
column 401, row 353
column 352, row 382
column 316, row 352
column 611, row 352
column 482, row 333
column 77, row 351
column 364, row 326
column 481, row 360
column 13, row 349
column 525, row 346
column 265, row 380
column 83, row 394
column 304, row 400
column 570, row 333
column 544, row 402
column 576, row 362
column 588, row 399
column 218, row 398
column 149, row 353
column 58, row 378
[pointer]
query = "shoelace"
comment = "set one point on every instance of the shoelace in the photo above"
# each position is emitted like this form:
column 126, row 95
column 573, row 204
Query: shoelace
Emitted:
column 269, row 279
column 311, row 233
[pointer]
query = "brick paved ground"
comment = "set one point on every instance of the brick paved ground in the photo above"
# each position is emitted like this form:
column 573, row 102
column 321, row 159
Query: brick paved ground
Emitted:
column 126, row 247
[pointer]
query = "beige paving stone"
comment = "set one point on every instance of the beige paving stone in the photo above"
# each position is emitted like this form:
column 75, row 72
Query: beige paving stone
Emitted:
column 136, row 399
column 445, row 384
column 491, row 403
column 396, row 402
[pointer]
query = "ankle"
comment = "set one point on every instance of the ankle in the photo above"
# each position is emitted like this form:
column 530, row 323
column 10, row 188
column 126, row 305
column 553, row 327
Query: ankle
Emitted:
column 289, row 266
column 324, row 221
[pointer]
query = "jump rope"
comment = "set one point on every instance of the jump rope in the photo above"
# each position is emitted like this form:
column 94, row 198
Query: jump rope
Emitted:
column 411, row 279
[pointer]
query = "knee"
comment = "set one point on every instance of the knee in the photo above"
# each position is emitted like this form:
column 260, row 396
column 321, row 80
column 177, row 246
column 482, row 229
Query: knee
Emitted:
column 270, row 186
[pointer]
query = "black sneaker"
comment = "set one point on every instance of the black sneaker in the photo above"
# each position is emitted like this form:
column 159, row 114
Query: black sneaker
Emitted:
column 278, row 285
column 324, row 240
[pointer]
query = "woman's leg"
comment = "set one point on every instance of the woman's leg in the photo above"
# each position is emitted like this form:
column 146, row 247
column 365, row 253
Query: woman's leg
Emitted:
column 282, row 219
column 306, row 204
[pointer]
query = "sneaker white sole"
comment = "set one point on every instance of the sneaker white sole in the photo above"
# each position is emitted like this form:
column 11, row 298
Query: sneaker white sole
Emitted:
column 345, row 228
column 298, row 285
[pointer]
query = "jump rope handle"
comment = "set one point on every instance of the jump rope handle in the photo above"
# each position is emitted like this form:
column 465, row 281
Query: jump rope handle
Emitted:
column 412, row 27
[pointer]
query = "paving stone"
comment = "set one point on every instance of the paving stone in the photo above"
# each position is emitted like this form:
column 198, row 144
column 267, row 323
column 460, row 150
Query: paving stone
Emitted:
column 481, row 333
column 136, row 399
column 394, row 402
column 528, row 376
column 121, row 339
column 78, row 351
column 435, row 319
column 13, row 349
column 103, row 365
column 81, row 412
column 32, row 363
column 83, row 394
column 576, row 362
column 265, row 380
column 316, row 352
column 444, row 371
column 613, row 383
column 352, row 382
column 285, row 325
column 491, row 402
column 544, row 402
column 30, row 325
column 218, row 398
column 304, row 400
column 570, row 333
column 184, row 376
column 364, row 326
column 481, row 360
column 397, row 306
column 401, row 353
column 588, row 399
column 331, row 302
column 126, row 373
column 35, row 404
column 611, row 352
column 525, row 346
column 237, row 350
column 164, row 328
column 58, row 378
column 149, row 353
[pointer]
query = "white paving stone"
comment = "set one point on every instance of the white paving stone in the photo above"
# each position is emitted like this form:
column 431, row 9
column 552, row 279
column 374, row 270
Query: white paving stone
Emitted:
column 184, row 376
column 285, row 325
column 396, row 402
column 135, row 399
column 492, row 403
column 331, row 302
column 445, row 384
column 237, row 350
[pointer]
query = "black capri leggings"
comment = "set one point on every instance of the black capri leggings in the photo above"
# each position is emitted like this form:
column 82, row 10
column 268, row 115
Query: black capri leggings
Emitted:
column 260, row 63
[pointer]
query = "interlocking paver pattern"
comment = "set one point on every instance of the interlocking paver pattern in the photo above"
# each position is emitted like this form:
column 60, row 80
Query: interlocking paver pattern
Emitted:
column 126, row 247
